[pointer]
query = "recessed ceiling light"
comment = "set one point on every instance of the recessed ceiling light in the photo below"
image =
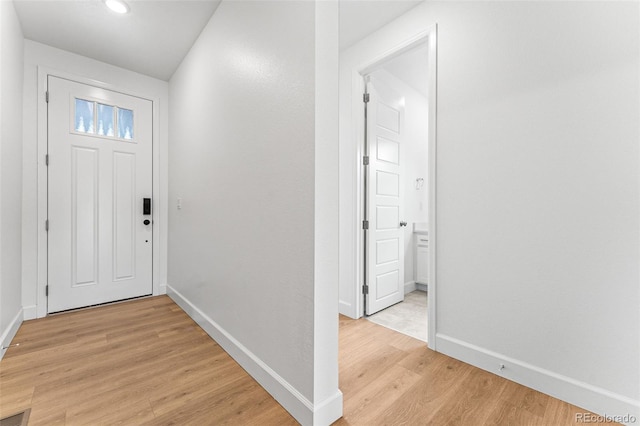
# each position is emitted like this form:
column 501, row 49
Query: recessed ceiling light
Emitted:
column 117, row 6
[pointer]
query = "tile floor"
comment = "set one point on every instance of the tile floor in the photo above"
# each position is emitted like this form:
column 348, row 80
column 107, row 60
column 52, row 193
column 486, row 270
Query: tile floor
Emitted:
column 408, row 317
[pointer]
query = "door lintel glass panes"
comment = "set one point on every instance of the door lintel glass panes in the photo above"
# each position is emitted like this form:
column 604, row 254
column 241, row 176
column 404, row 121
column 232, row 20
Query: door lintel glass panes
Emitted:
column 125, row 123
column 106, row 121
column 103, row 120
column 84, row 116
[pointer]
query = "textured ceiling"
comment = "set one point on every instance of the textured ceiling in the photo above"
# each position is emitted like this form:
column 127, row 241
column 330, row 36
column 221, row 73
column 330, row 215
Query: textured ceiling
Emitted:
column 157, row 34
column 152, row 39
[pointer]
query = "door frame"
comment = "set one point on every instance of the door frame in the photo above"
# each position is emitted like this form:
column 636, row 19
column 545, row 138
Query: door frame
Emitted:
column 428, row 37
column 159, row 248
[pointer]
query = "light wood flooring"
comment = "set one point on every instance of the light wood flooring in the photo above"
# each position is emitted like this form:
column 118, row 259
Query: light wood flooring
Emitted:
column 388, row 378
column 145, row 362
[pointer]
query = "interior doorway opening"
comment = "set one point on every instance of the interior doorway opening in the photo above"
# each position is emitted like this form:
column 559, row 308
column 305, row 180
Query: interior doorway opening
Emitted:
column 360, row 67
column 395, row 191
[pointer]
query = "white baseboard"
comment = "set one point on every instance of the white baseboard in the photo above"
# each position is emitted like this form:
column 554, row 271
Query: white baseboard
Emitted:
column 347, row 309
column 581, row 394
column 409, row 286
column 10, row 332
column 328, row 411
column 288, row 396
column 30, row 312
column 162, row 289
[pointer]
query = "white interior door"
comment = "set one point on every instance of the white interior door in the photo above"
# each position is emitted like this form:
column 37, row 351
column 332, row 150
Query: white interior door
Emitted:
column 100, row 169
column 385, row 239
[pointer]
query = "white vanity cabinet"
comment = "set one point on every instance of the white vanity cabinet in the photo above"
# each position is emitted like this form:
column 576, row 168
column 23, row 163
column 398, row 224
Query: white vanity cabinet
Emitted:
column 422, row 258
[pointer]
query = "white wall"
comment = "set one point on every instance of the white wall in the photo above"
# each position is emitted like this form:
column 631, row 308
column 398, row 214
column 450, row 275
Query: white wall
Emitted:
column 11, row 51
column 69, row 65
column 416, row 162
column 250, row 251
column 537, row 187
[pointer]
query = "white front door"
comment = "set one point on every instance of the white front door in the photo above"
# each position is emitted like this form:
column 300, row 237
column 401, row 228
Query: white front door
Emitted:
column 100, row 170
column 385, row 239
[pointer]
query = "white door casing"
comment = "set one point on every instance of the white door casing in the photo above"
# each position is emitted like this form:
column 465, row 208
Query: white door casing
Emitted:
column 385, row 239
column 99, row 248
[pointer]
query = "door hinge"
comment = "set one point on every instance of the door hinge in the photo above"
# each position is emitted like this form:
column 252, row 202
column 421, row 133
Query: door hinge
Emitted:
column 46, row 290
column 365, row 160
column 46, row 96
column 365, row 224
column 365, row 289
column 46, row 225
column 365, row 98
column 46, row 159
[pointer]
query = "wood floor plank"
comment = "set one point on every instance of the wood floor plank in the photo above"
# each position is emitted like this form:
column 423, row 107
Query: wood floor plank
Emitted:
column 474, row 400
column 438, row 385
column 214, row 405
column 508, row 414
column 146, row 362
column 365, row 404
column 45, row 416
column 525, row 399
column 562, row 413
column 111, row 408
column 360, row 372
column 166, row 401
column 15, row 398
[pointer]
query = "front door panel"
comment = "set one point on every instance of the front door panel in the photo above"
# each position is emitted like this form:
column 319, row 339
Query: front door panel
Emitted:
column 100, row 169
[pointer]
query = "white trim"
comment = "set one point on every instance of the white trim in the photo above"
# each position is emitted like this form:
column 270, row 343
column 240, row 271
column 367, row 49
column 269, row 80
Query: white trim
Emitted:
column 347, row 309
column 42, row 255
column 409, row 286
column 159, row 190
column 329, row 410
column 326, row 397
column 428, row 36
column 288, row 396
column 10, row 332
column 585, row 395
column 432, row 35
column 30, row 312
column 357, row 117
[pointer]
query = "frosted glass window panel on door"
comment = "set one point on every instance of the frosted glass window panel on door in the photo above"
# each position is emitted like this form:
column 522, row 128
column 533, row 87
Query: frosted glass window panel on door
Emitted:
column 105, row 120
column 84, row 116
column 125, row 123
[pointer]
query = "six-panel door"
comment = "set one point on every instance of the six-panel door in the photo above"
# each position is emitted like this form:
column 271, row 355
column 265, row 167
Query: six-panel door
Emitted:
column 385, row 133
